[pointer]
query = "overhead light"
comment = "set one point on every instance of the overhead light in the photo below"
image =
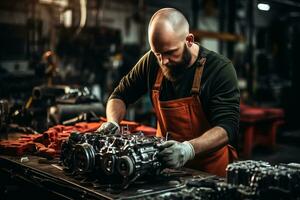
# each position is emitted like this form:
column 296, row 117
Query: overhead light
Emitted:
column 263, row 6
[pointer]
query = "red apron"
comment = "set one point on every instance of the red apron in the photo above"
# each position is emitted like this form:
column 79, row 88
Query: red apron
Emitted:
column 184, row 119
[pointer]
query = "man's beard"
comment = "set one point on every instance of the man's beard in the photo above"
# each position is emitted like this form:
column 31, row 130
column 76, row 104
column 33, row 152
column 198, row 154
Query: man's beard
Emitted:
column 173, row 72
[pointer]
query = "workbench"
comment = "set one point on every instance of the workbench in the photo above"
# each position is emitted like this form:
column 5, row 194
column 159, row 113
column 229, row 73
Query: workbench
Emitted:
column 40, row 178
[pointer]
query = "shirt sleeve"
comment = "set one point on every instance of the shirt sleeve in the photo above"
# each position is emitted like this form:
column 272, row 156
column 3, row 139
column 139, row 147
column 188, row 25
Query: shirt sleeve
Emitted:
column 133, row 85
column 224, row 102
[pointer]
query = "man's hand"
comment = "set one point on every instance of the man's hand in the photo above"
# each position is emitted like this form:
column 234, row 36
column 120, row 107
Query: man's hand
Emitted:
column 109, row 128
column 175, row 154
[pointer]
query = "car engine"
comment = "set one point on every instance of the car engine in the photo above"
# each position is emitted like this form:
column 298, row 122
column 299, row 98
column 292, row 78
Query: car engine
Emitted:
column 124, row 157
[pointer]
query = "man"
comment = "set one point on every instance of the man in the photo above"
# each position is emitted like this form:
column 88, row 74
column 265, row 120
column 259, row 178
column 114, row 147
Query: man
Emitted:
column 194, row 93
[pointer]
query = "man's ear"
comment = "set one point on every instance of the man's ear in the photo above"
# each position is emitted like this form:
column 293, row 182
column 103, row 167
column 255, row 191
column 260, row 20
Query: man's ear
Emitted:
column 189, row 39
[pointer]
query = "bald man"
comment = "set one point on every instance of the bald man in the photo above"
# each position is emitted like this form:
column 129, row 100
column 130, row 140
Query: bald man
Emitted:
column 194, row 93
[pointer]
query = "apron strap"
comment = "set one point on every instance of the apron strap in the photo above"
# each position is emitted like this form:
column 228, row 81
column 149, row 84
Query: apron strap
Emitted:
column 155, row 99
column 158, row 81
column 197, row 77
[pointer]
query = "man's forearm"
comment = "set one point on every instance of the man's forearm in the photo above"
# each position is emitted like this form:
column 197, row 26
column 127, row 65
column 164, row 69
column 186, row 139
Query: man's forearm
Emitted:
column 115, row 110
column 210, row 141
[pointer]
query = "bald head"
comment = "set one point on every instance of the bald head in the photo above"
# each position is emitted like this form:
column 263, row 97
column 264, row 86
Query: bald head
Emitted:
column 166, row 22
column 171, row 42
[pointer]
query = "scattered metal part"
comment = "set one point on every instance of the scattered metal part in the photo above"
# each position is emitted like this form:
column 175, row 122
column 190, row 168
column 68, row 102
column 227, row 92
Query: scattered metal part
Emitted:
column 24, row 159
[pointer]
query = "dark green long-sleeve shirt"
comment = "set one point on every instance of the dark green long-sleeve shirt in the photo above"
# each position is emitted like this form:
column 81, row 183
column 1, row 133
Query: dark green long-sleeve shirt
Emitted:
column 219, row 91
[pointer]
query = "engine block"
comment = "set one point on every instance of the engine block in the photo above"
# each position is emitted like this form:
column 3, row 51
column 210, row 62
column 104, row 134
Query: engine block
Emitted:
column 281, row 181
column 118, row 156
column 248, row 180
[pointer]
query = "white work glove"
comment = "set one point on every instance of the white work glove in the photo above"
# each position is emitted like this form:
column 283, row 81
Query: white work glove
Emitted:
column 175, row 154
column 109, row 128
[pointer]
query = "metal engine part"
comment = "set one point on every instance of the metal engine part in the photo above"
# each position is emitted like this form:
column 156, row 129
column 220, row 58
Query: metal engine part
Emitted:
column 247, row 180
column 266, row 181
column 210, row 188
column 121, row 156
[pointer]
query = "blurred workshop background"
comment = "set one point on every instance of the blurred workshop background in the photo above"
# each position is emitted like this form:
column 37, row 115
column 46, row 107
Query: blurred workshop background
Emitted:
column 61, row 59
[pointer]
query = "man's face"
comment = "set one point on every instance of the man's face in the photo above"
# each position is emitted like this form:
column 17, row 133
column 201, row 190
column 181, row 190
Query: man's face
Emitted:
column 174, row 70
column 173, row 61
